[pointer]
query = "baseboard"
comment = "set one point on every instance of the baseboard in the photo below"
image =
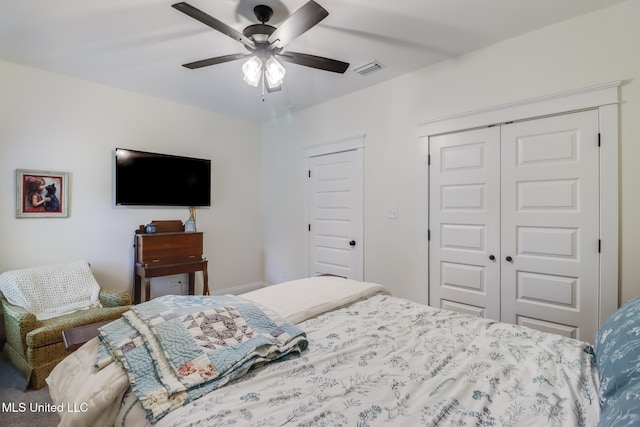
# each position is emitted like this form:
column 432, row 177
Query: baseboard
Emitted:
column 237, row 290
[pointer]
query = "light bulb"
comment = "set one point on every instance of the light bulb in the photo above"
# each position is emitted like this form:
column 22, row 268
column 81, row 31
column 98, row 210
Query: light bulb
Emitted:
column 251, row 70
column 274, row 72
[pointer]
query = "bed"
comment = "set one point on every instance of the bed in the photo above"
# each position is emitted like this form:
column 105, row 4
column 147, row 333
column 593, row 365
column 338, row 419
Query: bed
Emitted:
column 371, row 359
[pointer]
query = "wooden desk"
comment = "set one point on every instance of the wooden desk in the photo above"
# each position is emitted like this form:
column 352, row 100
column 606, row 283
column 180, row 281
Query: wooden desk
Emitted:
column 167, row 252
column 145, row 272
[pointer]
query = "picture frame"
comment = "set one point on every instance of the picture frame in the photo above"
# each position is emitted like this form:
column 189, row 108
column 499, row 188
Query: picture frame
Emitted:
column 42, row 194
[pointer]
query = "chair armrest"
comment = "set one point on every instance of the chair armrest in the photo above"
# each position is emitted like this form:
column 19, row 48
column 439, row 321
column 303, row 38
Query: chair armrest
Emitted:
column 17, row 322
column 111, row 298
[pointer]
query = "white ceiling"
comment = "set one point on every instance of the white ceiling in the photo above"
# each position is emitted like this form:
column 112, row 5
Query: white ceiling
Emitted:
column 140, row 45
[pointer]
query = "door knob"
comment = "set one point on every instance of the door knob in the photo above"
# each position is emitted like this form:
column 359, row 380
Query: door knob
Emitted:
column 508, row 258
column 352, row 243
column 492, row 258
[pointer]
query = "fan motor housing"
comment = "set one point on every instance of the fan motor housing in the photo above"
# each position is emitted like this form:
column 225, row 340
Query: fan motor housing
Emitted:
column 258, row 32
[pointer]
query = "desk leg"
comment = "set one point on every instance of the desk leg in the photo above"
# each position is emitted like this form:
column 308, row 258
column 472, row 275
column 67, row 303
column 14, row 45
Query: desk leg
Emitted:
column 147, row 289
column 205, row 281
column 137, row 288
column 192, row 283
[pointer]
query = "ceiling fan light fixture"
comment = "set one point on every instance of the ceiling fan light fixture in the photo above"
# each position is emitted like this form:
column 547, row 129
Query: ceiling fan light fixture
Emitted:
column 264, row 41
column 252, row 71
column 274, row 72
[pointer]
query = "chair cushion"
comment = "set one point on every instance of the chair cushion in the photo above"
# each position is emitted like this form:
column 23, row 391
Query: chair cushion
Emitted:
column 52, row 290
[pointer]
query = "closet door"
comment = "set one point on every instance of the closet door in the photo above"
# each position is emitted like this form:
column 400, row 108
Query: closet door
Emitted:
column 550, row 217
column 464, row 218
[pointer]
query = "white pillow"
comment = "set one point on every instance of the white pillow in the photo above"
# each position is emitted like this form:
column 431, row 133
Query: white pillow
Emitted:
column 302, row 299
column 52, row 290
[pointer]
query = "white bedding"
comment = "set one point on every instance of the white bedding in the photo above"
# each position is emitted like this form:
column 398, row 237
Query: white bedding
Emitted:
column 75, row 380
column 378, row 360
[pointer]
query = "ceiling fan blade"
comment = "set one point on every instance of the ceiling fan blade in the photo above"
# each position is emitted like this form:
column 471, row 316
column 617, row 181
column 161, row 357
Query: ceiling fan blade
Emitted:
column 212, row 22
column 216, row 60
column 313, row 61
column 298, row 23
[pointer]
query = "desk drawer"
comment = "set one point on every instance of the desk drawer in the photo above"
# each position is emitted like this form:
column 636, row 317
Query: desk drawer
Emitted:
column 166, row 248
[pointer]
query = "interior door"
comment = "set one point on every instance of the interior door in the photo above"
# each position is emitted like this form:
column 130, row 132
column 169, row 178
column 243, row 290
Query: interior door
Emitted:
column 336, row 214
column 550, row 224
column 464, row 222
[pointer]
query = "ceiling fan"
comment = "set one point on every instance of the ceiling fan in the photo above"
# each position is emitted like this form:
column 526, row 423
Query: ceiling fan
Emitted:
column 265, row 43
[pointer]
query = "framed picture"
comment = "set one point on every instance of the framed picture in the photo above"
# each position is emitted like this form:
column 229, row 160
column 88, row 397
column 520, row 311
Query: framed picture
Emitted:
column 42, row 194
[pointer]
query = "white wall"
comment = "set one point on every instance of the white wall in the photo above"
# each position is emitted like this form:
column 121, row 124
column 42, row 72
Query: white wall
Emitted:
column 596, row 48
column 56, row 123
column 51, row 122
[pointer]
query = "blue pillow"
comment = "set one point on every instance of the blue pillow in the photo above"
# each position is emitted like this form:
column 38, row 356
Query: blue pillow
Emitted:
column 617, row 352
column 624, row 410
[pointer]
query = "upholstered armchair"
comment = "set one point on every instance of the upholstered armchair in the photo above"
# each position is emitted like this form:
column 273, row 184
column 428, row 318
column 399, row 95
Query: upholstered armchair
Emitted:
column 39, row 303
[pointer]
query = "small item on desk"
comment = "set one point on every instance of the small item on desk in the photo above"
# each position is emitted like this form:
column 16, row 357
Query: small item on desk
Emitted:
column 150, row 228
column 190, row 224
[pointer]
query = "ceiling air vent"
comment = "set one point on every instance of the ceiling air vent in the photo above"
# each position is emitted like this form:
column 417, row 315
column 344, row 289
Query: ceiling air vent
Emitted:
column 368, row 68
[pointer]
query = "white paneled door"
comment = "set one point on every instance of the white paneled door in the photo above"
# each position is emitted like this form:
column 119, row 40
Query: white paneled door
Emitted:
column 465, row 222
column 336, row 214
column 550, row 224
column 514, row 222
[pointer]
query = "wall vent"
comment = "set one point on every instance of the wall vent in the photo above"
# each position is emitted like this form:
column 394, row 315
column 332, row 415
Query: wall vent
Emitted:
column 368, row 68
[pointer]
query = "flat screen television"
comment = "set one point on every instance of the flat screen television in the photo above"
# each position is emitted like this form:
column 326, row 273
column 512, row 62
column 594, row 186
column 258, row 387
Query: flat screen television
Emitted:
column 154, row 179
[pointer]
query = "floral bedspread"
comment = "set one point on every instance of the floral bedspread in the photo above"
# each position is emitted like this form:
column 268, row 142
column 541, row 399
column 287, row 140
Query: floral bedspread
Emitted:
column 386, row 361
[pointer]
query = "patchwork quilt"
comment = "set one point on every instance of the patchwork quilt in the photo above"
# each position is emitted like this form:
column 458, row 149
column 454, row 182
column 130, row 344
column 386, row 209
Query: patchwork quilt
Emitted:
column 176, row 349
